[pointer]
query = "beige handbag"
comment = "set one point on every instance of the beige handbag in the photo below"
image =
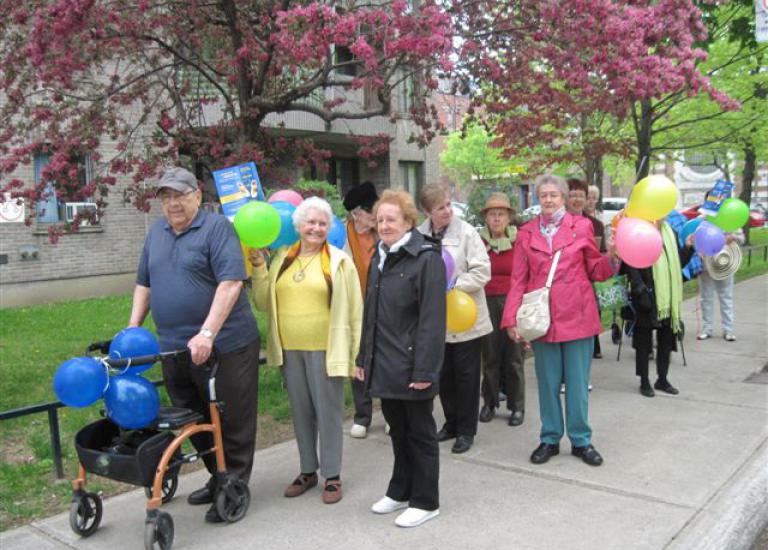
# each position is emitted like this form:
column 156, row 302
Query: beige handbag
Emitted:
column 533, row 313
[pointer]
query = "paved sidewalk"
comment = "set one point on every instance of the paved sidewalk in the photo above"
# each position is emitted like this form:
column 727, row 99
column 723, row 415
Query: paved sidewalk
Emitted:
column 689, row 471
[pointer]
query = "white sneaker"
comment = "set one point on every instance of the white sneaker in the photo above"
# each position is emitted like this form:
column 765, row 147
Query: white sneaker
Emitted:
column 413, row 517
column 358, row 431
column 704, row 336
column 386, row 429
column 387, row 505
column 729, row 337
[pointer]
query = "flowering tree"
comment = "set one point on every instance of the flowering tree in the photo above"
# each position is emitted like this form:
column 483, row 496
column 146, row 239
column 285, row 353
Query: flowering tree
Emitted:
column 548, row 64
column 157, row 78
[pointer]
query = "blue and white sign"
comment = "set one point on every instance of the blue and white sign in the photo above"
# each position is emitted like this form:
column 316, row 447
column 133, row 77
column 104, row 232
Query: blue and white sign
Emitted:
column 237, row 185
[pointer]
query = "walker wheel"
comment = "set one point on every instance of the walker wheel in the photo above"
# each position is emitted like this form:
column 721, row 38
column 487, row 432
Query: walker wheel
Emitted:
column 615, row 334
column 158, row 531
column 85, row 514
column 170, row 484
column 232, row 500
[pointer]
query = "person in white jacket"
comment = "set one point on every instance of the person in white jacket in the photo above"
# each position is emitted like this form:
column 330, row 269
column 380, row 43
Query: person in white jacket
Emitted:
column 460, row 375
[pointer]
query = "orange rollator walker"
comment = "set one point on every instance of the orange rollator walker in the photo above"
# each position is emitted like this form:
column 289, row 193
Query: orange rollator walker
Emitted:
column 152, row 458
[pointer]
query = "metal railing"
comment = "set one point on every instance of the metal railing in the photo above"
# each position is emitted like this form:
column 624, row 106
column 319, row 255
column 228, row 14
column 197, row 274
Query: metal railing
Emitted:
column 748, row 250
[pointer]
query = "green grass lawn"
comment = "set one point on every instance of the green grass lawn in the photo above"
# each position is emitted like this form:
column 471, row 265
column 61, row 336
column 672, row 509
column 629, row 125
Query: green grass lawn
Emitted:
column 34, row 341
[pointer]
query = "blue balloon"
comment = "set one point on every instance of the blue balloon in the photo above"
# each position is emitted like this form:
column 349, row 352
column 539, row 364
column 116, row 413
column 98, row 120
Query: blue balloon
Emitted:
column 288, row 234
column 689, row 228
column 80, row 382
column 134, row 342
column 337, row 235
column 132, row 401
column 709, row 239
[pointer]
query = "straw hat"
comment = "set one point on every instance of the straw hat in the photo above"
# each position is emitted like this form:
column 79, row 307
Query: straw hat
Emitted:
column 497, row 200
column 725, row 263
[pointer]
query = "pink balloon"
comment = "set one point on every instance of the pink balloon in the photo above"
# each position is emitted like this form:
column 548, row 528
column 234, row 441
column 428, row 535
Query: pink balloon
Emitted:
column 638, row 242
column 287, row 195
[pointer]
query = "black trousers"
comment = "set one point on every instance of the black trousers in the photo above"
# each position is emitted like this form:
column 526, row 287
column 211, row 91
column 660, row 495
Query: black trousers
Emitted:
column 416, row 471
column 502, row 362
column 643, row 340
column 237, row 387
column 363, row 403
column 460, row 386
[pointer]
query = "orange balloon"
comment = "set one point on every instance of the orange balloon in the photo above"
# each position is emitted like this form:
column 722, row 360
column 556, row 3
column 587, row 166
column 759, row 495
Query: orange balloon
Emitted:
column 617, row 218
column 461, row 311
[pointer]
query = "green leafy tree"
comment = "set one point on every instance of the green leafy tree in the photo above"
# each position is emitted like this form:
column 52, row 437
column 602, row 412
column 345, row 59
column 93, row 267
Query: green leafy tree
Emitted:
column 470, row 156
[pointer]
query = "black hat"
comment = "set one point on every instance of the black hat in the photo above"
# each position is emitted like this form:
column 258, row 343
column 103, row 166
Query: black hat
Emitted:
column 363, row 196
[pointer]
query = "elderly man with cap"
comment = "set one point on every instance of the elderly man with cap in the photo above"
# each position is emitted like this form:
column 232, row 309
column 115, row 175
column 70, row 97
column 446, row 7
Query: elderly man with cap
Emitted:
column 190, row 277
column 361, row 245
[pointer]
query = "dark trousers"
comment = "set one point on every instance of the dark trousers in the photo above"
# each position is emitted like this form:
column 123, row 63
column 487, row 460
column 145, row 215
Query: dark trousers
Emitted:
column 643, row 338
column 460, row 386
column 237, row 387
column 363, row 403
column 502, row 361
column 416, row 470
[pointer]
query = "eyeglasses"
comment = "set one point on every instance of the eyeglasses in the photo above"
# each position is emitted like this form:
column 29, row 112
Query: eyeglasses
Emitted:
column 168, row 198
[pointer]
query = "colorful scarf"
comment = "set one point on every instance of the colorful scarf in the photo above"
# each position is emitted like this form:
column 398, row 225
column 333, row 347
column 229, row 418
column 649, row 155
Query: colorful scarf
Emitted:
column 325, row 262
column 549, row 224
column 668, row 280
column 502, row 244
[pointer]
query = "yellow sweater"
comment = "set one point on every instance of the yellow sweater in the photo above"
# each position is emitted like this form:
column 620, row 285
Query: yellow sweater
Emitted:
column 346, row 312
column 302, row 308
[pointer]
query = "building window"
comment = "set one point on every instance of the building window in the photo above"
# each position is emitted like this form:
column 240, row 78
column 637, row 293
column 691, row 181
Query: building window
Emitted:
column 49, row 208
column 407, row 94
column 412, row 177
column 346, row 59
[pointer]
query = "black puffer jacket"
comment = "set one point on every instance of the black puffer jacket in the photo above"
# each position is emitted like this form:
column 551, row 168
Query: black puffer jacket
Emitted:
column 404, row 321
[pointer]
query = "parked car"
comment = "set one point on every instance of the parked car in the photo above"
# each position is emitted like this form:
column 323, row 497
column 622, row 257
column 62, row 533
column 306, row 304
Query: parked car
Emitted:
column 611, row 206
column 530, row 212
column 757, row 216
column 460, row 209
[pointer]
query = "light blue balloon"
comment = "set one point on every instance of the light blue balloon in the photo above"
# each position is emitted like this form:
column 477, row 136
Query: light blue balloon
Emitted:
column 689, row 228
column 337, row 235
column 288, row 234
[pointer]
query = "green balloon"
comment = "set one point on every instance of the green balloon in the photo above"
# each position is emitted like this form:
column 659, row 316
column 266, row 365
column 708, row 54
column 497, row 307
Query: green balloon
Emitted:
column 733, row 214
column 257, row 224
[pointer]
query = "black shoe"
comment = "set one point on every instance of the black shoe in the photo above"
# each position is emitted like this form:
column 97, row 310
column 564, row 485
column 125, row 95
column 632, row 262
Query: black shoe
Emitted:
column 516, row 418
column 647, row 391
column 203, row 495
column 445, row 435
column 487, row 413
column 666, row 387
column 588, row 454
column 463, row 444
column 543, row 452
column 212, row 515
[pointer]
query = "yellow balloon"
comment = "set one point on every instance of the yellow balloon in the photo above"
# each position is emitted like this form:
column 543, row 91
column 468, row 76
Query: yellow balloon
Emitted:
column 248, row 269
column 652, row 198
column 461, row 311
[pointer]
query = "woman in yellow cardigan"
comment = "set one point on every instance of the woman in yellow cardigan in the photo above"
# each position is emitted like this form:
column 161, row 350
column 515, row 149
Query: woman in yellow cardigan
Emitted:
column 312, row 295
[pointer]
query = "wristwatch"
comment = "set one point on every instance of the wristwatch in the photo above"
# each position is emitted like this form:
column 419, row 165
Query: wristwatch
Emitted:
column 207, row 333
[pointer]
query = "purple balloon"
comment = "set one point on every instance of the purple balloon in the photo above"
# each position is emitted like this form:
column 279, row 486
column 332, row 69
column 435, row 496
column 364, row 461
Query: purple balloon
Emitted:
column 450, row 265
column 709, row 239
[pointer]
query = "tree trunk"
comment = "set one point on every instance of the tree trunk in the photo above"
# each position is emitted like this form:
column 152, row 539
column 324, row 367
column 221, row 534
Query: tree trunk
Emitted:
column 747, row 178
column 593, row 171
column 644, row 134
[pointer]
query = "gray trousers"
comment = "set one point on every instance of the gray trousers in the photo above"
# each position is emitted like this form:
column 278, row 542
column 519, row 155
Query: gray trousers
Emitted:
column 317, row 406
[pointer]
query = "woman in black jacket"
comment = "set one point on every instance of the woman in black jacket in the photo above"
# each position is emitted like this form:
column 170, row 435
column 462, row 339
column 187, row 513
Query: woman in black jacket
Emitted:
column 657, row 295
column 401, row 352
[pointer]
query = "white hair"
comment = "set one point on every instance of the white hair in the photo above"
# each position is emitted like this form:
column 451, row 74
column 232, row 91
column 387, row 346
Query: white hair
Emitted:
column 312, row 203
column 551, row 179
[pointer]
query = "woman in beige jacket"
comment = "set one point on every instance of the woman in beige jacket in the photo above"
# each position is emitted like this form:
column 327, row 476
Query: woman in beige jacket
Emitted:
column 460, row 376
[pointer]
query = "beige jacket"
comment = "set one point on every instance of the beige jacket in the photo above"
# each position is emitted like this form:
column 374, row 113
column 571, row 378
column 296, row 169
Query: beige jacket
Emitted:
column 346, row 312
column 473, row 271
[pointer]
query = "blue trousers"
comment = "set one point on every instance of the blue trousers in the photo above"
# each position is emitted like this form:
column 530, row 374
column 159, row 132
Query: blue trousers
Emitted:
column 569, row 362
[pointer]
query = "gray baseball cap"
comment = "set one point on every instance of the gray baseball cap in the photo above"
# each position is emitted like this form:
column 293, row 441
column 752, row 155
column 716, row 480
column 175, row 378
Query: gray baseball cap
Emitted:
column 178, row 179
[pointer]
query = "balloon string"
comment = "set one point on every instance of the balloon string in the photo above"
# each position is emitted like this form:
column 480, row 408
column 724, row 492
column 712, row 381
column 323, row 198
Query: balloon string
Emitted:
column 106, row 368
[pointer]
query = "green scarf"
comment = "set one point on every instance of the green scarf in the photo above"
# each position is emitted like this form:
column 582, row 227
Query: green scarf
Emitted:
column 501, row 244
column 668, row 279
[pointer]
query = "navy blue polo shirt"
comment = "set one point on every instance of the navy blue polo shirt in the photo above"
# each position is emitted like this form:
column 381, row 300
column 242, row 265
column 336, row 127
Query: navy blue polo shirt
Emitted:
column 183, row 272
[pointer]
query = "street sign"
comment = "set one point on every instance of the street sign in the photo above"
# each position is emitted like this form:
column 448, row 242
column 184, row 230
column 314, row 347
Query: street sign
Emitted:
column 11, row 210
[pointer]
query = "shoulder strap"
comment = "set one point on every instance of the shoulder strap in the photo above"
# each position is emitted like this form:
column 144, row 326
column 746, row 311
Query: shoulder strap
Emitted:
column 553, row 268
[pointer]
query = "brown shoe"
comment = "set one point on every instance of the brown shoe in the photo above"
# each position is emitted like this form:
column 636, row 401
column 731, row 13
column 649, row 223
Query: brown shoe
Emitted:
column 332, row 491
column 301, row 485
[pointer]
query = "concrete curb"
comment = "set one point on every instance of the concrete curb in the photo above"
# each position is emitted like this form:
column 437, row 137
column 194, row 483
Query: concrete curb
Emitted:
column 735, row 515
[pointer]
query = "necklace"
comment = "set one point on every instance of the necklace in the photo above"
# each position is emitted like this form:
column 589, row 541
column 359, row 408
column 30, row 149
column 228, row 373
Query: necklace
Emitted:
column 300, row 274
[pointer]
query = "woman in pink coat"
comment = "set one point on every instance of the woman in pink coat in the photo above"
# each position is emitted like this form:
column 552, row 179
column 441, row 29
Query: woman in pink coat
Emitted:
column 565, row 351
